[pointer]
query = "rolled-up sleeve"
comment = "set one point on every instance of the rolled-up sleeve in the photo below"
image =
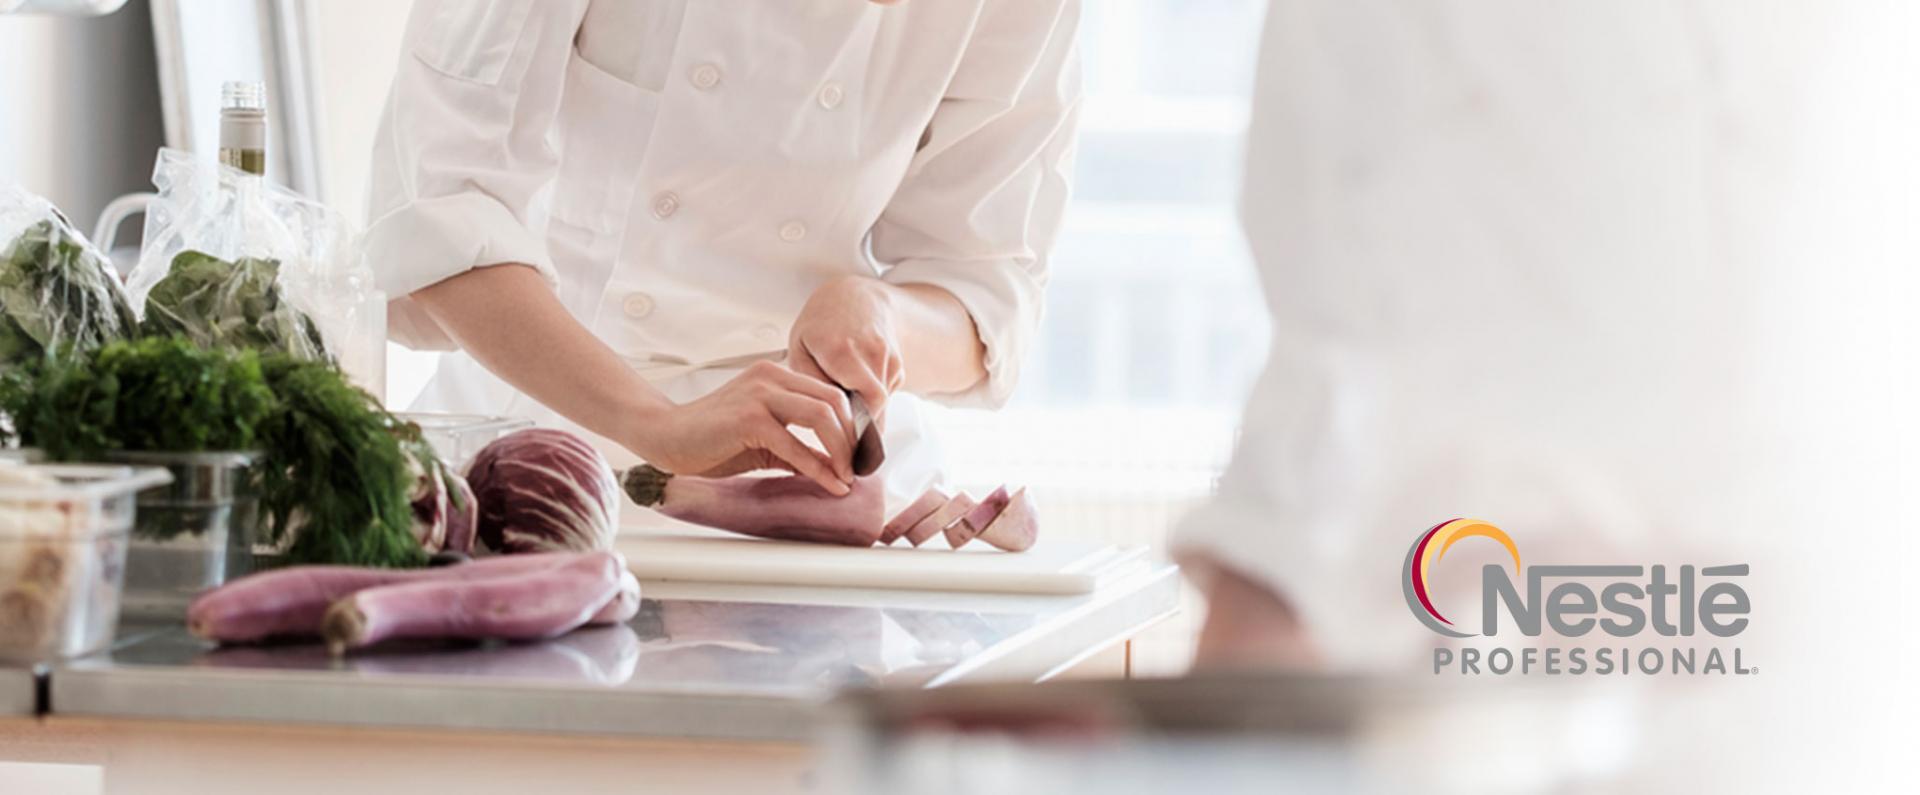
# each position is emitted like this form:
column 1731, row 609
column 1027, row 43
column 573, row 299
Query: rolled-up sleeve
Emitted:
column 982, row 200
column 462, row 161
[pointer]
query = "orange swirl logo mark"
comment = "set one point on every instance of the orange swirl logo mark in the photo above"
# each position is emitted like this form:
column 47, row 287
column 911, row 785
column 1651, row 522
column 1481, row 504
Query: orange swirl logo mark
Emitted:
column 1428, row 550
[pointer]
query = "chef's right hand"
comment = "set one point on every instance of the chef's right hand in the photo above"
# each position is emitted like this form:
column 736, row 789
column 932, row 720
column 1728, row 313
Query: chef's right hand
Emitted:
column 742, row 426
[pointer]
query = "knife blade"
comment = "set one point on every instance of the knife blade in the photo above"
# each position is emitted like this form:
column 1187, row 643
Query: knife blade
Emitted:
column 868, row 453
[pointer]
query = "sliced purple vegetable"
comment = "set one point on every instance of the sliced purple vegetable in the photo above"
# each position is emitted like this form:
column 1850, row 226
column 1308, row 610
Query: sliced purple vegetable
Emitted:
column 792, row 508
column 929, row 501
column 291, row 602
column 544, row 490
column 977, row 519
column 938, row 521
column 530, row 606
column 1016, row 527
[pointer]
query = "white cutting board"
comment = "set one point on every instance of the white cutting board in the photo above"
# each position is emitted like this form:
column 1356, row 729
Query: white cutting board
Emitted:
column 695, row 554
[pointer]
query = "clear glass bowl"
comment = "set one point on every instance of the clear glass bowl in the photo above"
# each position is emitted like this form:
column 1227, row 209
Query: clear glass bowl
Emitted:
column 457, row 438
column 192, row 534
column 63, row 549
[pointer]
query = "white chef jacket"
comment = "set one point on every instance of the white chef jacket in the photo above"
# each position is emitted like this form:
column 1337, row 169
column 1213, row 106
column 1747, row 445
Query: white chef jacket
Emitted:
column 1549, row 265
column 685, row 174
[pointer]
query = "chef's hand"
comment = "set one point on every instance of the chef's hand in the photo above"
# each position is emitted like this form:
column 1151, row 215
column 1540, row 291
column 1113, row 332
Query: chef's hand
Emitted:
column 846, row 335
column 742, row 426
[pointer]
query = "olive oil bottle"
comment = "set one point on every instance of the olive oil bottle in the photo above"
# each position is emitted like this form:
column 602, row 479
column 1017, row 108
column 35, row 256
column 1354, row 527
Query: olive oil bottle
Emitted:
column 243, row 127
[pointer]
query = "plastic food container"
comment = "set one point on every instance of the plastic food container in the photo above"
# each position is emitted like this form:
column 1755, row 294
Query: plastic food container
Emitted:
column 63, row 551
column 191, row 534
column 457, row 438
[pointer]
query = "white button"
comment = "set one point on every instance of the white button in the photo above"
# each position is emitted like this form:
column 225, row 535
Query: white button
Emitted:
column 793, row 231
column 832, row 95
column 705, row 76
column 637, row 305
column 767, row 332
column 665, row 205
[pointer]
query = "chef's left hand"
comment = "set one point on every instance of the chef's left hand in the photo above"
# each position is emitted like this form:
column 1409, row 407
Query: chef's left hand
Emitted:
column 847, row 335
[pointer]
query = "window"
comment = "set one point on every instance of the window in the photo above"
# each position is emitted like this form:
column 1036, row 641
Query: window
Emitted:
column 1155, row 325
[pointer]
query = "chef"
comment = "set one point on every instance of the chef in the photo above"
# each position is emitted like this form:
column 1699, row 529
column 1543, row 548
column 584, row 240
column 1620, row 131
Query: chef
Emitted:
column 686, row 228
column 1560, row 267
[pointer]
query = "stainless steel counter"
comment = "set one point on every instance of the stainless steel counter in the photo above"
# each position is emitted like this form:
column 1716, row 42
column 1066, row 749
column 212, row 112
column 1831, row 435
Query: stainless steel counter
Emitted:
column 700, row 661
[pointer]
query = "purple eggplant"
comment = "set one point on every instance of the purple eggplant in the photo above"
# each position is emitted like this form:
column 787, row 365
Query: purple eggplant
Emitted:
column 530, row 606
column 791, row 508
column 624, row 605
column 291, row 602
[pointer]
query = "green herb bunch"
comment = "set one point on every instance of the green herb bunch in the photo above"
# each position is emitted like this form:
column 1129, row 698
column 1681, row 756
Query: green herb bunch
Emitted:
column 54, row 292
column 149, row 394
column 338, row 481
column 335, row 473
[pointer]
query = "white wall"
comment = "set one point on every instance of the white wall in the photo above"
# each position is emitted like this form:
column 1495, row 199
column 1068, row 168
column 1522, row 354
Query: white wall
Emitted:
column 79, row 107
column 356, row 46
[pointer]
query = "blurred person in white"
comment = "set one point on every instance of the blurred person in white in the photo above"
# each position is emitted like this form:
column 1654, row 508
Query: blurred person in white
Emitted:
column 1613, row 276
column 621, row 215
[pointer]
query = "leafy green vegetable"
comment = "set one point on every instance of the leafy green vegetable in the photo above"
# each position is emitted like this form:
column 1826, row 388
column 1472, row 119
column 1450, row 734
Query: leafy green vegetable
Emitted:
column 237, row 304
column 338, row 481
column 157, row 394
column 337, row 469
column 152, row 394
column 54, row 292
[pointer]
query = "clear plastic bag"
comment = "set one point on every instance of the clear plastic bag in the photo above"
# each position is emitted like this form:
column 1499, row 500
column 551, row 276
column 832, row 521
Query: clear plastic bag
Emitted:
column 56, row 289
column 229, row 259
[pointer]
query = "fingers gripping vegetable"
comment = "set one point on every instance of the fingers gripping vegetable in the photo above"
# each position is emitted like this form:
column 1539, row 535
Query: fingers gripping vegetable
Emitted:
column 792, row 508
column 290, row 602
column 537, row 605
column 542, row 490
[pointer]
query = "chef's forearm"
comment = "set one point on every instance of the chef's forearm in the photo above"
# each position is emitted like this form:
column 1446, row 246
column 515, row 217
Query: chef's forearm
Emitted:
column 941, row 348
column 509, row 320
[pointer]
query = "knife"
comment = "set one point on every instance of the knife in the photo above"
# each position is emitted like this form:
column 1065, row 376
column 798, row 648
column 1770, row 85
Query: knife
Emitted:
column 867, row 451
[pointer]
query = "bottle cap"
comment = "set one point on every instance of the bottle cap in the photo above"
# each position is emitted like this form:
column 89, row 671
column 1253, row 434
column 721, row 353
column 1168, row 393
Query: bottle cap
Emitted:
column 243, row 95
